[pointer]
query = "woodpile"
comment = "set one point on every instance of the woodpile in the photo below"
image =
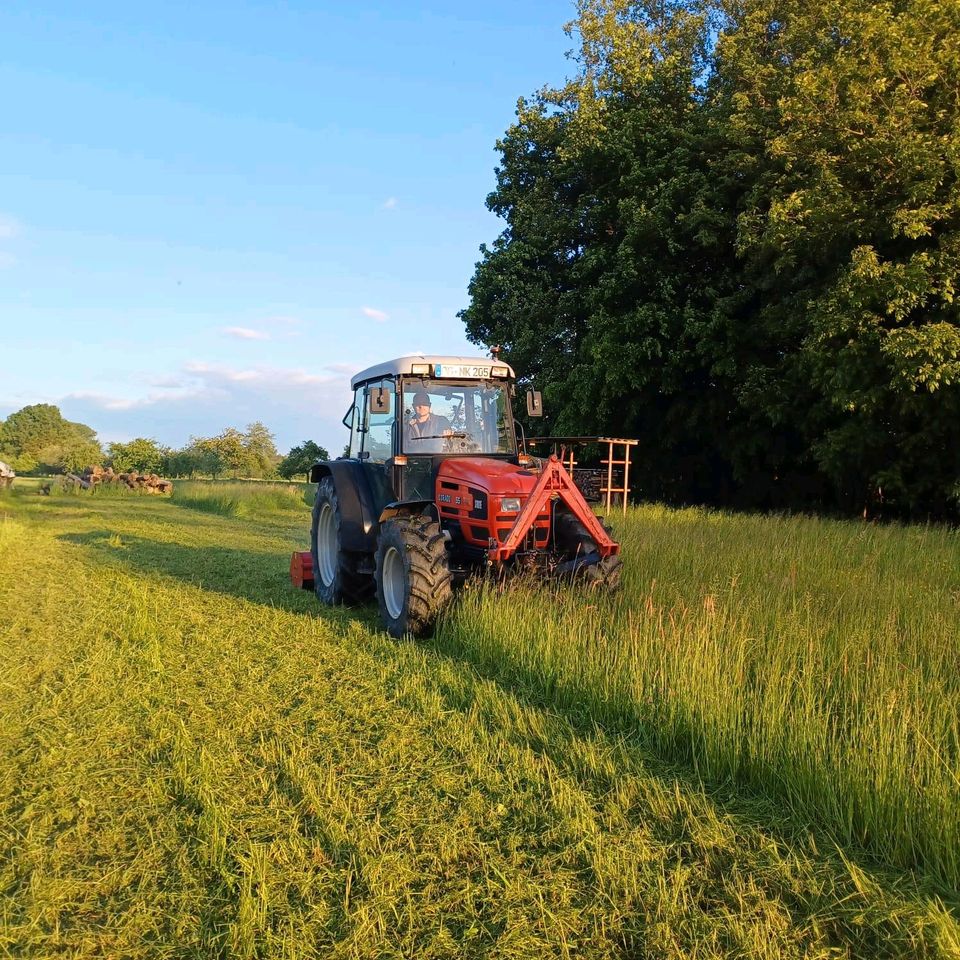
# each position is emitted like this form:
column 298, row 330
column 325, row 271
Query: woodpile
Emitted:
column 142, row 482
column 590, row 481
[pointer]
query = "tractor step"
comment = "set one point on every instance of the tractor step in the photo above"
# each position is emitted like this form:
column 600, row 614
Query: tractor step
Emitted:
column 301, row 570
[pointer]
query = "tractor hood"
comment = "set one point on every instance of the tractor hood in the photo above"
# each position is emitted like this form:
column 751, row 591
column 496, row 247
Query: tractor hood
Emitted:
column 488, row 474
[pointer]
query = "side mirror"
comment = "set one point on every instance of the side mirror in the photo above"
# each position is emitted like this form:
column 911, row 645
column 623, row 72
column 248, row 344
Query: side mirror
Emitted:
column 378, row 400
column 534, row 403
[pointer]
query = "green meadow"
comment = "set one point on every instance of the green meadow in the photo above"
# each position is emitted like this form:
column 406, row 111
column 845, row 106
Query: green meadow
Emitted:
column 752, row 751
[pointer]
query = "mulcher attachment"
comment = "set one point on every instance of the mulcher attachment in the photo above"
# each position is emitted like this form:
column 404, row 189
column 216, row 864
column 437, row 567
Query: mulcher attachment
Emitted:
column 301, row 570
column 554, row 483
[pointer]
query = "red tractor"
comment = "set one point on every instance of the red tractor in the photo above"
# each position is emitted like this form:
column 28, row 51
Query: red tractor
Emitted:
column 434, row 489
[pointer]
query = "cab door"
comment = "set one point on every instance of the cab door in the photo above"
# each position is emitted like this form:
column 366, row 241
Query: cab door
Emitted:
column 378, row 438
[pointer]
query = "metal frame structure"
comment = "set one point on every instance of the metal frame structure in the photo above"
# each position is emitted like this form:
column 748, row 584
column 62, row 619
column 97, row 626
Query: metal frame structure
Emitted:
column 567, row 446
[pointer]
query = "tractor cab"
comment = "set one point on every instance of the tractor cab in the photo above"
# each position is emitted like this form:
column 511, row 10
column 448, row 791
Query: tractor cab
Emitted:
column 432, row 487
column 414, row 412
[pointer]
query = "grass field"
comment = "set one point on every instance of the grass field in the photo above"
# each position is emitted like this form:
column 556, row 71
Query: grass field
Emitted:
column 754, row 751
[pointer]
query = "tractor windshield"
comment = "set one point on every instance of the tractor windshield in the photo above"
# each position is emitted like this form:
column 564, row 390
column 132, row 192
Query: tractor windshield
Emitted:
column 466, row 417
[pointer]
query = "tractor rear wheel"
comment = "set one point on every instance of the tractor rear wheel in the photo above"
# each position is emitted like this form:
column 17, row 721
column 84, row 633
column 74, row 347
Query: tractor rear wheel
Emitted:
column 335, row 579
column 573, row 538
column 413, row 575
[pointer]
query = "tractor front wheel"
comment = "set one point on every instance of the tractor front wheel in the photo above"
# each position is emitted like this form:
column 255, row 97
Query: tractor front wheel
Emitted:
column 413, row 575
column 574, row 539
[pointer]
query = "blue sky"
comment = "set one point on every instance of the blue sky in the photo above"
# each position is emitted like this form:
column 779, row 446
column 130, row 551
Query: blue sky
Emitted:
column 214, row 213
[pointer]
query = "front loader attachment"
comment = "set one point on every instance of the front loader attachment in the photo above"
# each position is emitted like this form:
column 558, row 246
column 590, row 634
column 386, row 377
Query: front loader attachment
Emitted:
column 554, row 484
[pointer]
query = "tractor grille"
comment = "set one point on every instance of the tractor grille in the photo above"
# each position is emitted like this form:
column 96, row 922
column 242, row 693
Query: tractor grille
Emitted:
column 540, row 528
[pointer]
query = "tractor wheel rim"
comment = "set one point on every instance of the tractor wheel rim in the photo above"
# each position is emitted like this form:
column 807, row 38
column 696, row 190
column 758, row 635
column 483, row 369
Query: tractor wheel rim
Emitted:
column 393, row 582
column 327, row 544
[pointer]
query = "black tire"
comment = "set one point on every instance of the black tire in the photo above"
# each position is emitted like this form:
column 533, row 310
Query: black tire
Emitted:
column 335, row 579
column 573, row 539
column 413, row 575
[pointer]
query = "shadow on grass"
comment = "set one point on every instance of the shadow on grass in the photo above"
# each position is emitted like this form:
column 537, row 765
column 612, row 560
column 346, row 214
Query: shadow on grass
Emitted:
column 254, row 576
column 262, row 577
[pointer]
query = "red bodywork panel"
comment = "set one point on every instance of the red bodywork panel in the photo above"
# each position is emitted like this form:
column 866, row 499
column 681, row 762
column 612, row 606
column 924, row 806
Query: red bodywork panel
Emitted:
column 469, row 491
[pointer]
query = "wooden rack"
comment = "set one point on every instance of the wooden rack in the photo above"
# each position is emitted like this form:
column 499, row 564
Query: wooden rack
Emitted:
column 618, row 455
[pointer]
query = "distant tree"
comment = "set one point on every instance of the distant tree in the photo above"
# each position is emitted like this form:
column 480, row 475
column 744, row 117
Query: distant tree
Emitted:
column 184, row 462
column 142, row 454
column 300, row 459
column 229, row 452
column 37, row 437
column 34, row 427
column 261, row 451
column 73, row 455
column 23, row 463
column 204, row 458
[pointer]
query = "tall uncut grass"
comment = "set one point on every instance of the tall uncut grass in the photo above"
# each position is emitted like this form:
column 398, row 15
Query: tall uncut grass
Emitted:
column 242, row 498
column 809, row 660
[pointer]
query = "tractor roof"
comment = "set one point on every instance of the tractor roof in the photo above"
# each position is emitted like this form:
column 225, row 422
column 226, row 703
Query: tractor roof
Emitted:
column 402, row 366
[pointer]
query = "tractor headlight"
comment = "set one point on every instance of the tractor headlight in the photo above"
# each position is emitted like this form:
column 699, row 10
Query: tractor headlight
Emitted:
column 510, row 505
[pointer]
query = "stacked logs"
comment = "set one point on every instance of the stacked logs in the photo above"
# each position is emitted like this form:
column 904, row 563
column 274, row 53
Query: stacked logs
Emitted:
column 142, row 482
column 590, row 481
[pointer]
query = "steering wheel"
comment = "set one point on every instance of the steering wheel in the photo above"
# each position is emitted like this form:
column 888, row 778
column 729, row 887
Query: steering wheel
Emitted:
column 461, row 443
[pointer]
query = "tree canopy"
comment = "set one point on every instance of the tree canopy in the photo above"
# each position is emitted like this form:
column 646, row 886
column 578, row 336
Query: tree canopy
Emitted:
column 735, row 234
column 300, row 459
column 37, row 437
column 232, row 452
column 141, row 454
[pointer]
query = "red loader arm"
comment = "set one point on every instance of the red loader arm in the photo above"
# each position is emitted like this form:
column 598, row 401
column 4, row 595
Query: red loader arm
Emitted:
column 554, row 483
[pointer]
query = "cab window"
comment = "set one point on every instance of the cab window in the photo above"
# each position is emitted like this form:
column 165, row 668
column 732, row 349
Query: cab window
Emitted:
column 380, row 414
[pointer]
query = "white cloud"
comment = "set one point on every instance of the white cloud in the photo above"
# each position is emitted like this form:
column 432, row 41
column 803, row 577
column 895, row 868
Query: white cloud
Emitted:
column 375, row 314
column 245, row 333
column 104, row 402
column 390, row 203
column 6, row 259
column 201, row 400
column 218, row 375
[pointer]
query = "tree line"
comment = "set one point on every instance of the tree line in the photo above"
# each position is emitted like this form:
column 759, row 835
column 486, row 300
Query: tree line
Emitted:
column 37, row 439
column 735, row 235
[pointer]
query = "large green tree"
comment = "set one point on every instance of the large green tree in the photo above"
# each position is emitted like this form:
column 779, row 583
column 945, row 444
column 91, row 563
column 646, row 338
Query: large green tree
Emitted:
column 300, row 459
column 849, row 111
column 141, row 454
column 37, row 437
column 734, row 235
column 261, row 450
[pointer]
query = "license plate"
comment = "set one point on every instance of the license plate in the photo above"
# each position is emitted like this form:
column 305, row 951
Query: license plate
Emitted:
column 472, row 372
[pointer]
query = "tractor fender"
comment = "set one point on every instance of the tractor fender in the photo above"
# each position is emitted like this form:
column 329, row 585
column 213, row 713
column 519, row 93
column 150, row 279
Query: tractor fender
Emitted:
column 358, row 520
column 409, row 508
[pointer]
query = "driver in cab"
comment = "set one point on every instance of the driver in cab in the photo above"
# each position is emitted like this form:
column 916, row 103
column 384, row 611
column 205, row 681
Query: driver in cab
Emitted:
column 425, row 432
